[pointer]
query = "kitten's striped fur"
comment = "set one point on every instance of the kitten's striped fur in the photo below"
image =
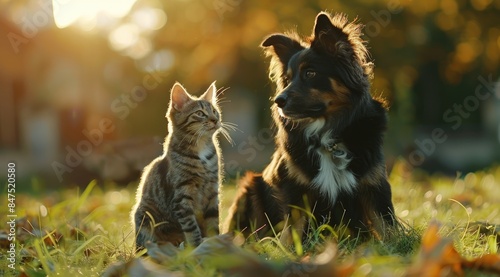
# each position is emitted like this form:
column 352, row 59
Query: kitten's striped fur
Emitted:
column 177, row 199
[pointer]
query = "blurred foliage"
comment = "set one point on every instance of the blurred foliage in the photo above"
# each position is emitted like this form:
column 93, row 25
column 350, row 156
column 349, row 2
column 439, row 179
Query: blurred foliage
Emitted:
column 444, row 45
column 428, row 54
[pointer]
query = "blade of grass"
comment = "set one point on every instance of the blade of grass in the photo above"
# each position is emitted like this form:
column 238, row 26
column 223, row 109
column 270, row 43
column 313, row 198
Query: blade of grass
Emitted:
column 492, row 244
column 468, row 217
column 43, row 256
column 87, row 242
column 297, row 242
column 82, row 198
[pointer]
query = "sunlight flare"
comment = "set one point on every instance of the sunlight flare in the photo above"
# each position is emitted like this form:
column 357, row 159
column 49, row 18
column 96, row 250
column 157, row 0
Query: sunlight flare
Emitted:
column 69, row 12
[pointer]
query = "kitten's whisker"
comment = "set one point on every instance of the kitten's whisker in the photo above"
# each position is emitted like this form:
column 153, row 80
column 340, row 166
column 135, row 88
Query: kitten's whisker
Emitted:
column 230, row 126
column 230, row 123
column 220, row 99
column 223, row 101
column 221, row 91
column 193, row 136
column 200, row 133
column 183, row 138
column 226, row 135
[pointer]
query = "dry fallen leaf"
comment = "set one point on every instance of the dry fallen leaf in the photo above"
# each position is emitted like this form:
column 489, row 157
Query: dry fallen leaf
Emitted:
column 488, row 263
column 438, row 257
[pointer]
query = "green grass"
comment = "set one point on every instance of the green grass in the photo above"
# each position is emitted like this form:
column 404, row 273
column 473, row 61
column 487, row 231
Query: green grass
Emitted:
column 76, row 232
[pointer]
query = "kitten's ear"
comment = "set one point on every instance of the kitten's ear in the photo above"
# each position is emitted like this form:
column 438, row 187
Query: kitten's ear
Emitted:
column 211, row 94
column 179, row 97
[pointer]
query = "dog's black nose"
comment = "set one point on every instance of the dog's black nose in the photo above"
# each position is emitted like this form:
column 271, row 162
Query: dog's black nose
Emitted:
column 280, row 100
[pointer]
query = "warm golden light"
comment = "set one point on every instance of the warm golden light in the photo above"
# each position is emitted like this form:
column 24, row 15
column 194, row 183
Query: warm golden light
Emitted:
column 67, row 12
column 124, row 36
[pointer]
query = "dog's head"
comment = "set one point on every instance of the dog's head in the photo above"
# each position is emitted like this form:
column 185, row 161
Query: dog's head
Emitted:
column 322, row 75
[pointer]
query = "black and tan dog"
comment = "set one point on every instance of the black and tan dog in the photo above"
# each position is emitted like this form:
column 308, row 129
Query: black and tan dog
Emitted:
column 329, row 137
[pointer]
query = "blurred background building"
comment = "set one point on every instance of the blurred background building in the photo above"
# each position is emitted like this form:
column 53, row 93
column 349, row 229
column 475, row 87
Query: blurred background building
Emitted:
column 84, row 85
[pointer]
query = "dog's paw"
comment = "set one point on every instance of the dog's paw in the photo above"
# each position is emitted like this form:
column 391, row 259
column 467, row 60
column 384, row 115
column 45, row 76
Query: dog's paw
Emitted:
column 337, row 149
column 330, row 144
column 334, row 146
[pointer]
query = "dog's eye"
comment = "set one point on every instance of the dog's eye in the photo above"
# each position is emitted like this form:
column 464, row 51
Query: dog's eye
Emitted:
column 309, row 74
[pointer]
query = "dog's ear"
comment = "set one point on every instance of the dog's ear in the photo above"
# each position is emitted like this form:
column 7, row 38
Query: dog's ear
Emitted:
column 327, row 36
column 283, row 46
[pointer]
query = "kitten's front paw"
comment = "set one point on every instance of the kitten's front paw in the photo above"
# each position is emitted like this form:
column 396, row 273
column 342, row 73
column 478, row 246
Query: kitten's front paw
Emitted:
column 181, row 246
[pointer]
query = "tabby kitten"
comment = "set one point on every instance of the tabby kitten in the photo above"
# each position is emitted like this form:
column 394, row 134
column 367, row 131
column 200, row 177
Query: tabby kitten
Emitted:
column 177, row 199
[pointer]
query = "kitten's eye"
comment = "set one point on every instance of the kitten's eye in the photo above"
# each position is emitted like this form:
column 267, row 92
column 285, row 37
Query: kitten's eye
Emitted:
column 201, row 114
column 309, row 74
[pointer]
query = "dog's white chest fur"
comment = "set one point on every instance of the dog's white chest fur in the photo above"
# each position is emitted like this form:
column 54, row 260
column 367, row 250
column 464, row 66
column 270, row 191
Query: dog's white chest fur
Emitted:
column 333, row 175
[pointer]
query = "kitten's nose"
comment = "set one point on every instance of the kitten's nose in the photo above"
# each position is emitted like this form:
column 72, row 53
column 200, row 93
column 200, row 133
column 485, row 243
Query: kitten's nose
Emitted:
column 213, row 120
column 280, row 100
